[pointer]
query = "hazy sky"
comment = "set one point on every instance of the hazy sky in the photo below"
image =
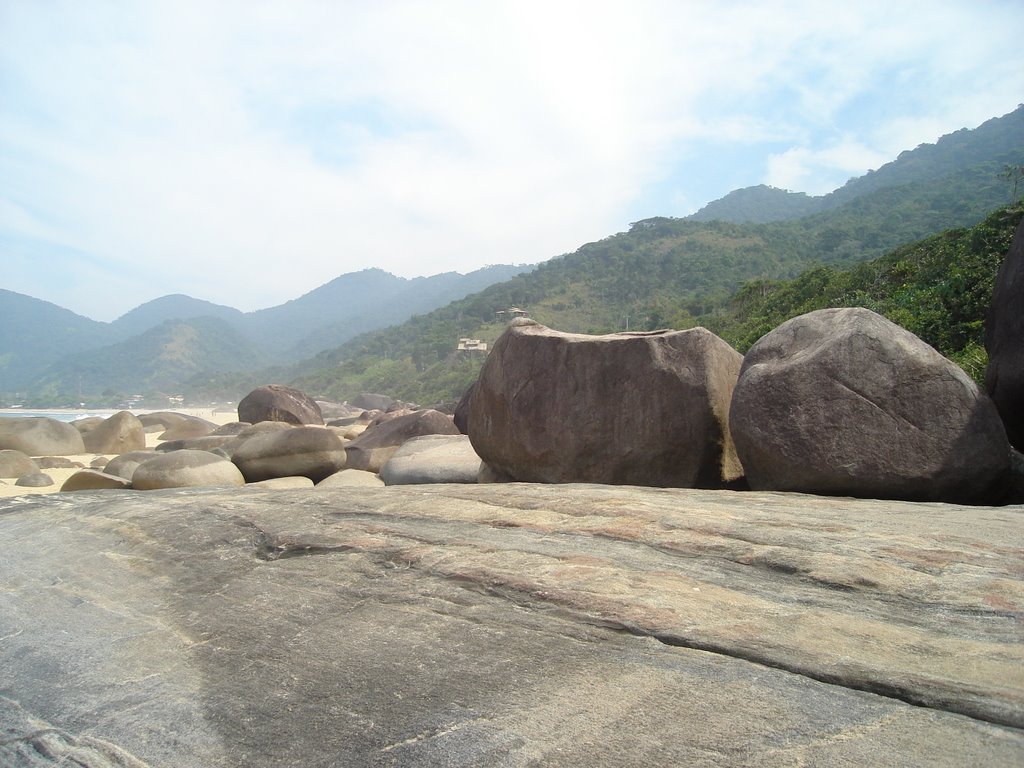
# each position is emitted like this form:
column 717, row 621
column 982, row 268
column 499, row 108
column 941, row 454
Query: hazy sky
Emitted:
column 247, row 152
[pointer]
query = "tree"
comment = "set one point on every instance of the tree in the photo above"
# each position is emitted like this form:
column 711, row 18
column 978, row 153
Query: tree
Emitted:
column 1013, row 174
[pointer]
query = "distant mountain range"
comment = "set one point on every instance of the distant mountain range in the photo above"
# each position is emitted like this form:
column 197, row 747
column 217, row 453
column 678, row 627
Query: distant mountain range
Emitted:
column 355, row 331
column 160, row 344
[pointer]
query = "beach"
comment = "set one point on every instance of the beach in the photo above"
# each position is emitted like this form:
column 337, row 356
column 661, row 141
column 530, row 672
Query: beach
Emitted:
column 60, row 475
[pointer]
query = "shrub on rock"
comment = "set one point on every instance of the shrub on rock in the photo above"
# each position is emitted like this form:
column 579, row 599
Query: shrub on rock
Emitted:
column 627, row 408
column 276, row 402
column 845, row 402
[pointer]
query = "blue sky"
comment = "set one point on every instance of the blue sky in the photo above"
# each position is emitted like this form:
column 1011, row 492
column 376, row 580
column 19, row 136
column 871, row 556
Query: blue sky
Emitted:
column 247, row 152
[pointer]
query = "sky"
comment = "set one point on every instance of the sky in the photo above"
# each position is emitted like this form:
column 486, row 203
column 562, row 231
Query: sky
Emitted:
column 247, row 152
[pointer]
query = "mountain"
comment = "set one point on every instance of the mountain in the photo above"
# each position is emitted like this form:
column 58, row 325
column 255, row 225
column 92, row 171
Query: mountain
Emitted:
column 157, row 360
column 33, row 333
column 41, row 343
column 662, row 272
column 985, row 150
column 174, row 307
column 758, row 204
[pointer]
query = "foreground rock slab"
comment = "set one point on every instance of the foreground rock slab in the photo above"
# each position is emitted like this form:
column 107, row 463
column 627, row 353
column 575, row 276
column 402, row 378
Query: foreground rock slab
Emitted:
column 511, row 625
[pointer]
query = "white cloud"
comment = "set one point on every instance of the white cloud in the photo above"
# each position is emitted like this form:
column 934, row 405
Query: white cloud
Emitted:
column 247, row 152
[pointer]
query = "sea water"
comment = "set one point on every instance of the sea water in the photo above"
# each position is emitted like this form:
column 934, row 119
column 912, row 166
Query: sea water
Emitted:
column 62, row 415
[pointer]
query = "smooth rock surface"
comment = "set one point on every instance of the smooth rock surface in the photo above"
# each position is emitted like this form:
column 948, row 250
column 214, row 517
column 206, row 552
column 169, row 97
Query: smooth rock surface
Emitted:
column 126, row 464
column 432, row 459
column 845, row 402
column 40, row 436
column 512, row 625
column 313, row 452
column 16, row 463
column 373, row 447
column 185, row 469
column 94, row 480
column 276, row 402
column 34, row 480
column 351, row 478
column 625, row 408
column 1004, row 341
column 119, row 433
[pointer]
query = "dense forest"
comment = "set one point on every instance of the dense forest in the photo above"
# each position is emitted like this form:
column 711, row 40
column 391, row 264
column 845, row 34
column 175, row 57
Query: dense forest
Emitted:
column 938, row 288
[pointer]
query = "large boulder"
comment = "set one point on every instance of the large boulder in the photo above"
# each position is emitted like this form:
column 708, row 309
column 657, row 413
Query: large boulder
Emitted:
column 313, row 452
column 119, row 433
column 368, row 401
column 845, row 402
column 35, row 480
column 16, row 463
column 40, row 436
column 432, row 459
column 188, row 428
column 1004, row 340
column 627, row 408
column 351, row 478
column 518, row 625
column 371, row 450
column 276, row 402
column 94, row 480
column 185, row 469
column 125, row 464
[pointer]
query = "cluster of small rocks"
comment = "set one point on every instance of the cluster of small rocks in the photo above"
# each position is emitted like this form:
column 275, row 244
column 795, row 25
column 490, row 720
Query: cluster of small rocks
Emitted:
column 287, row 446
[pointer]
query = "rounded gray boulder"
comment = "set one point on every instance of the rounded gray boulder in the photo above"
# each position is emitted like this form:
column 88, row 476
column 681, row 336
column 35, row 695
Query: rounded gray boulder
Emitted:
column 432, row 459
column 40, row 436
column 116, row 434
column 276, row 402
column 845, row 402
column 313, row 452
column 185, row 469
column 16, row 463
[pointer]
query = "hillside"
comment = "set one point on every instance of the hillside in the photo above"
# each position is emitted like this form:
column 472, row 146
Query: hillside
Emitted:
column 672, row 274
column 155, row 361
column 985, row 149
column 33, row 333
column 662, row 272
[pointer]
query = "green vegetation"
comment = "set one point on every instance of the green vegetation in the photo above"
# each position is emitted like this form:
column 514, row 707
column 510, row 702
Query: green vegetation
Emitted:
column 938, row 288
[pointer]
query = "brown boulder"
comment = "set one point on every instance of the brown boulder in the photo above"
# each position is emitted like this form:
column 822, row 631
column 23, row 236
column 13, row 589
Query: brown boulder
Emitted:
column 371, row 450
column 1004, row 340
column 16, row 463
column 276, row 402
column 313, row 452
column 40, row 436
column 120, row 433
column 627, row 408
column 845, row 402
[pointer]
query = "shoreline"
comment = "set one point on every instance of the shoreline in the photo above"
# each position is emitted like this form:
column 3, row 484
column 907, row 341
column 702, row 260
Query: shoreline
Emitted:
column 7, row 487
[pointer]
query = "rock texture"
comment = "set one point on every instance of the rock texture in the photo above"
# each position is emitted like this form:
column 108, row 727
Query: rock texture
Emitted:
column 371, row 450
column 15, row 463
column 94, row 480
column 35, row 480
column 276, row 402
column 432, row 459
column 511, row 625
column 120, row 433
column 628, row 408
column 185, row 469
column 40, row 436
column 1004, row 341
column 313, row 452
column 845, row 402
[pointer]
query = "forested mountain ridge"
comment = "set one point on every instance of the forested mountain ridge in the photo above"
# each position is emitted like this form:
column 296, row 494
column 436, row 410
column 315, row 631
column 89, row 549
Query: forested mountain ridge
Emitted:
column 939, row 288
column 987, row 149
column 662, row 272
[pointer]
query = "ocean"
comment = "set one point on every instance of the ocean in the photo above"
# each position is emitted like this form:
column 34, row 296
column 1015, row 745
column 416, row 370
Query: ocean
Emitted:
column 59, row 415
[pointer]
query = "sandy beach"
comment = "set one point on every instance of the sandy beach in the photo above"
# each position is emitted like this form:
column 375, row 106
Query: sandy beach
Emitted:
column 9, row 489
